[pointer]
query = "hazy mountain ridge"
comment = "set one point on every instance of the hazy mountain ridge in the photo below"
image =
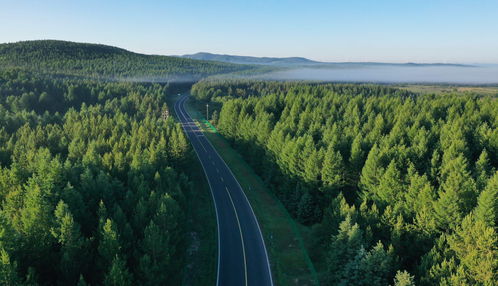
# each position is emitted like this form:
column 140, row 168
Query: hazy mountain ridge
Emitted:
column 299, row 61
column 250, row 59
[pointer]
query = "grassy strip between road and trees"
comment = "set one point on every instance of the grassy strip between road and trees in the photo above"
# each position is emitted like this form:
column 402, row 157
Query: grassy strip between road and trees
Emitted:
column 284, row 238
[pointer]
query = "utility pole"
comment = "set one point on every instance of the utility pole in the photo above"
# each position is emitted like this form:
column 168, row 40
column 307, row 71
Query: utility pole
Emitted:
column 207, row 112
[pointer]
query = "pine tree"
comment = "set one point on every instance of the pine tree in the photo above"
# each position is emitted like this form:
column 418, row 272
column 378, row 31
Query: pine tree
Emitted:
column 157, row 254
column 109, row 242
column 81, row 281
column 67, row 233
column 476, row 246
column 356, row 159
column 390, row 187
column 118, row 274
column 483, row 170
column 344, row 247
column 333, row 170
column 306, row 211
column 215, row 118
column 487, row 206
column 35, row 221
column 372, row 171
column 419, row 200
column 312, row 167
column 8, row 270
column 457, row 195
column 403, row 278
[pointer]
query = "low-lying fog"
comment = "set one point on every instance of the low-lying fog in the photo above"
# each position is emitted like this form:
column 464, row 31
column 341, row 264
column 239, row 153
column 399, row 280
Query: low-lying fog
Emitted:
column 482, row 74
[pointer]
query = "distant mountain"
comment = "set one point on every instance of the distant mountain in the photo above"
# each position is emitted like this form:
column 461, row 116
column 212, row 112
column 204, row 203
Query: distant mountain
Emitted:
column 252, row 60
column 297, row 61
column 85, row 60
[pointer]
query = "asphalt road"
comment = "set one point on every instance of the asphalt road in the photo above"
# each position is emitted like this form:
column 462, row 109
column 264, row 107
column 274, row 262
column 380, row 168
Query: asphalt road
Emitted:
column 242, row 256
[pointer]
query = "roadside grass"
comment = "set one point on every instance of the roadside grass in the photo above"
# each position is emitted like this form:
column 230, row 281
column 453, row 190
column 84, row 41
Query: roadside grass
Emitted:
column 201, row 257
column 284, row 238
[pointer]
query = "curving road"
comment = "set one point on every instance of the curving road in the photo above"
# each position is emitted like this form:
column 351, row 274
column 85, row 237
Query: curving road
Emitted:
column 242, row 256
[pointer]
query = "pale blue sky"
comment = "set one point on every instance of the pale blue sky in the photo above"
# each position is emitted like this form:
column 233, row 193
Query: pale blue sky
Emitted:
column 328, row 30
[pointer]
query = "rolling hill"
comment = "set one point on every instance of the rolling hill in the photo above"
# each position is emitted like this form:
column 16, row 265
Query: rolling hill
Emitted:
column 299, row 61
column 62, row 58
column 252, row 60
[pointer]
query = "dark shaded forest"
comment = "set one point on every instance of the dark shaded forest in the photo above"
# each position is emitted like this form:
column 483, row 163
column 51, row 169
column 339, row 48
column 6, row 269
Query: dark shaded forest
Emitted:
column 396, row 186
column 93, row 183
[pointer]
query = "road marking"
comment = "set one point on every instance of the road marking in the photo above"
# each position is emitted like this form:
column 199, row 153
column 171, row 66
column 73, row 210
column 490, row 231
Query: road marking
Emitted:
column 241, row 236
column 252, row 211
column 184, row 113
column 200, row 141
column 203, row 147
column 212, row 196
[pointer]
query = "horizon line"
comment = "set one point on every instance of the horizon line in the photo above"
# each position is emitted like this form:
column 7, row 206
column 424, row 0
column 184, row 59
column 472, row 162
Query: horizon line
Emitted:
column 277, row 57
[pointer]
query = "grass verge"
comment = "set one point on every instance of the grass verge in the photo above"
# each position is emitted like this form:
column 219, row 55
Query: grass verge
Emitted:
column 284, row 238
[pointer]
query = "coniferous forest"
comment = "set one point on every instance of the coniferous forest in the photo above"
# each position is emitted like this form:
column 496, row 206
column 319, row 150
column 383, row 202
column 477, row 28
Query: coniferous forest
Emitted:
column 396, row 186
column 97, row 181
column 92, row 183
column 82, row 60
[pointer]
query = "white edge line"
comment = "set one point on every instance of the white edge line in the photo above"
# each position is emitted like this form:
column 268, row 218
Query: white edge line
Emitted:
column 212, row 196
column 247, row 200
column 241, row 235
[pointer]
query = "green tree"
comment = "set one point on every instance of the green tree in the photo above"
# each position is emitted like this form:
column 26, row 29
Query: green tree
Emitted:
column 157, row 254
column 306, row 210
column 8, row 270
column 344, row 247
column 68, row 235
column 483, row 170
column 109, row 242
column 476, row 246
column 487, row 206
column 356, row 159
column 403, row 278
column 118, row 274
column 333, row 169
column 419, row 198
column 372, row 171
column 312, row 167
column 457, row 195
column 390, row 187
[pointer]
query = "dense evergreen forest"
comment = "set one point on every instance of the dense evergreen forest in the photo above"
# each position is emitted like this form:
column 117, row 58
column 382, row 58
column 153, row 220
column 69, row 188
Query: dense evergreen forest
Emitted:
column 61, row 58
column 398, row 188
column 93, row 183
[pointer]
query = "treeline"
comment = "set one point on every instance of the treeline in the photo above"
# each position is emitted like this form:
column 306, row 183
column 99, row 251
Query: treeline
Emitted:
column 61, row 58
column 219, row 90
column 398, row 187
column 92, row 184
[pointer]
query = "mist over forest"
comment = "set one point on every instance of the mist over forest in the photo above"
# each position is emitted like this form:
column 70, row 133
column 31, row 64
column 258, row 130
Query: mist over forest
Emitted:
column 478, row 74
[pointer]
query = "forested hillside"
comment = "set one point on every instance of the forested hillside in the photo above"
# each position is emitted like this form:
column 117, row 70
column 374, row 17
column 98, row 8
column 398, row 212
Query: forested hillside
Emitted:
column 396, row 186
column 92, row 183
column 61, row 58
